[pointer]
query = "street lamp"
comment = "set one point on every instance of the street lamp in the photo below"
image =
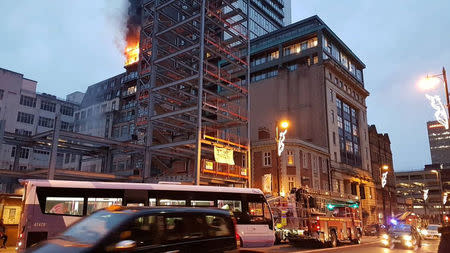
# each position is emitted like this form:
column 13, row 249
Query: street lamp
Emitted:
column 429, row 83
column 438, row 178
column 384, row 173
column 280, row 136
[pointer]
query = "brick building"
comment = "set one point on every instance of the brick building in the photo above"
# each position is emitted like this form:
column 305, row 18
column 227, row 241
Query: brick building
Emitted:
column 381, row 155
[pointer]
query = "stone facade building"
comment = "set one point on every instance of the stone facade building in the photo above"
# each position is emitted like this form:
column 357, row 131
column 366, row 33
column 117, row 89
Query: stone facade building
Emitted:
column 305, row 74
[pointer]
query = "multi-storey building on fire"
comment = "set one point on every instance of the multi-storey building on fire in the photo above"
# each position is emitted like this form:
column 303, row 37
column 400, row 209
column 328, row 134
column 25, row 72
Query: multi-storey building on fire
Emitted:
column 305, row 74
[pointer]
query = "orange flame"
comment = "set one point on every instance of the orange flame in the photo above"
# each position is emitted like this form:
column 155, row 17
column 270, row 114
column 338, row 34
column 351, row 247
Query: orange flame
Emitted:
column 131, row 54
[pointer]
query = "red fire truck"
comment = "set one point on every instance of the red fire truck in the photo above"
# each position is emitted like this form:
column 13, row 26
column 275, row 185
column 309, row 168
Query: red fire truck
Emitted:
column 307, row 216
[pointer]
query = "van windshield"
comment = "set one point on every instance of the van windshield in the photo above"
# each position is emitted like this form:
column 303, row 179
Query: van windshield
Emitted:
column 93, row 228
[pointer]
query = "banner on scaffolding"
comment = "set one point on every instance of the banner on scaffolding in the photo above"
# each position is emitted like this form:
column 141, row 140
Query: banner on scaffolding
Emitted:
column 223, row 155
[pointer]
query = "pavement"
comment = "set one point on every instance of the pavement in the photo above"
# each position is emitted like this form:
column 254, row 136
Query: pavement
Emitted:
column 368, row 245
column 8, row 250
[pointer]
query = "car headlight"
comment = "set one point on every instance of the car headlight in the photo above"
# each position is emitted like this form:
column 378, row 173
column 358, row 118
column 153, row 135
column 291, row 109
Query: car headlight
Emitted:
column 385, row 236
column 407, row 237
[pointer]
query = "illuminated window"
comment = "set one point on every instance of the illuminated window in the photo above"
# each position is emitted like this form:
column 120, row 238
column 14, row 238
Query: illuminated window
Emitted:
column 305, row 161
column 290, row 157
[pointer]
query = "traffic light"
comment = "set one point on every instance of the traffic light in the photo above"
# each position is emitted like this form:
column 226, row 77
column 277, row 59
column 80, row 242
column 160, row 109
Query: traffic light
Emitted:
column 330, row 207
column 356, row 205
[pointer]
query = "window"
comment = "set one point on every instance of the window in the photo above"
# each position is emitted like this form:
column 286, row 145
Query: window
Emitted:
column 274, row 55
column 48, row 106
column 232, row 205
column 315, row 59
column 1, row 94
column 72, row 159
column 65, row 125
column 292, row 67
column 67, row 110
column 89, row 113
column 331, row 95
column 23, row 132
column 83, row 114
column 209, row 203
column 305, row 161
column 267, row 159
column 28, row 101
column 99, row 203
column 171, row 202
column 290, row 157
column 25, row 118
column 258, row 212
column 217, row 226
column 332, row 116
column 64, row 205
column 184, row 227
column 148, row 231
column 24, row 152
column 334, row 138
column 67, row 158
column 77, row 116
column 46, row 122
column 362, row 191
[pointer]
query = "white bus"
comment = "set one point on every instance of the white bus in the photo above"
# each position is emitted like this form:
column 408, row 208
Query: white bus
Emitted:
column 50, row 206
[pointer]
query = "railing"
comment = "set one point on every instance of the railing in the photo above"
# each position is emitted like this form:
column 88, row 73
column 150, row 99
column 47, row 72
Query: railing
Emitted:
column 222, row 170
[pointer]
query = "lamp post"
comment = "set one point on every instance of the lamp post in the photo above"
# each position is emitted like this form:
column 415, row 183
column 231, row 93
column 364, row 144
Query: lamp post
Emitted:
column 384, row 173
column 280, row 136
column 438, row 178
column 429, row 83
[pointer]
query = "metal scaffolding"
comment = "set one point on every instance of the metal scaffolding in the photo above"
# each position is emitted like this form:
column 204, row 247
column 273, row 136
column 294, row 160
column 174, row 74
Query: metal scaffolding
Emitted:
column 192, row 88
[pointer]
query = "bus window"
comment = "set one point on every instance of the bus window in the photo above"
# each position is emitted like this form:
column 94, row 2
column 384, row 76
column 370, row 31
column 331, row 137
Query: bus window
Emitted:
column 152, row 202
column 259, row 212
column 64, row 206
column 171, row 202
column 232, row 205
column 99, row 203
column 207, row 203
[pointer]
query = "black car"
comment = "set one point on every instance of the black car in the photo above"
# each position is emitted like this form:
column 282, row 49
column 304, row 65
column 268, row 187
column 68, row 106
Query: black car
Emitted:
column 402, row 235
column 147, row 229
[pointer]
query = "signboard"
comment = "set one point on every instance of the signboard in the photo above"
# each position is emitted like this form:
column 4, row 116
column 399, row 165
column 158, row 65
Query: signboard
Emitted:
column 223, row 155
column 267, row 183
column 209, row 165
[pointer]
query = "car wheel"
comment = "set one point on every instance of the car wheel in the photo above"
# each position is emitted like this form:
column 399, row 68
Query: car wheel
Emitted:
column 391, row 245
column 357, row 240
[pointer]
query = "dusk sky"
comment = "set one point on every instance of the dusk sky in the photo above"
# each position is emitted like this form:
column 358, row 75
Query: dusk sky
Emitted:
column 69, row 45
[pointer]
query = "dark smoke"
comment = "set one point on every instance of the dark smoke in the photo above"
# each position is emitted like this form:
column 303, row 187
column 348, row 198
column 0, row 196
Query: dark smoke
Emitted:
column 133, row 22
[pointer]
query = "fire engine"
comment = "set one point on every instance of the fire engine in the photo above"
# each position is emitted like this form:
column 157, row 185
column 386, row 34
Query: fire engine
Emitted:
column 307, row 216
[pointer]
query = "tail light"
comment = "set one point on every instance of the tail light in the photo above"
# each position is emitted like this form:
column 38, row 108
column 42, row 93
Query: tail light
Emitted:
column 238, row 238
column 318, row 227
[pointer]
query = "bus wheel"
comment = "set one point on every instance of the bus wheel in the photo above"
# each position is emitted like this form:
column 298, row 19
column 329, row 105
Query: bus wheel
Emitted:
column 334, row 241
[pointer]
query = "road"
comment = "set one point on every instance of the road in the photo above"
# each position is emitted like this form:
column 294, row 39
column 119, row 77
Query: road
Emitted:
column 368, row 245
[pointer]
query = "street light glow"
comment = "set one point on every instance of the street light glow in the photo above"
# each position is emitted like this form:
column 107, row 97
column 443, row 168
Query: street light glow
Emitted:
column 284, row 124
column 428, row 83
column 385, row 167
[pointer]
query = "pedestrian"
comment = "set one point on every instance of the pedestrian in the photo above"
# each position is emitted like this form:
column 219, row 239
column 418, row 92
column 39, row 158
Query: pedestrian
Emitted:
column 3, row 235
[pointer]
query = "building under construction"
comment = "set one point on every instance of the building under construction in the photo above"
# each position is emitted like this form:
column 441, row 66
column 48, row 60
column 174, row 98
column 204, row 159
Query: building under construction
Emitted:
column 192, row 91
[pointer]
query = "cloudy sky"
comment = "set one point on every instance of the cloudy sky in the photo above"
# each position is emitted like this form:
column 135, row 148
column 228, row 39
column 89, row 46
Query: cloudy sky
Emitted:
column 68, row 45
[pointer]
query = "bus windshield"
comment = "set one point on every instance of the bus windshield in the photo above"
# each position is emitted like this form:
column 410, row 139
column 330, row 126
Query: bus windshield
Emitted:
column 94, row 227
